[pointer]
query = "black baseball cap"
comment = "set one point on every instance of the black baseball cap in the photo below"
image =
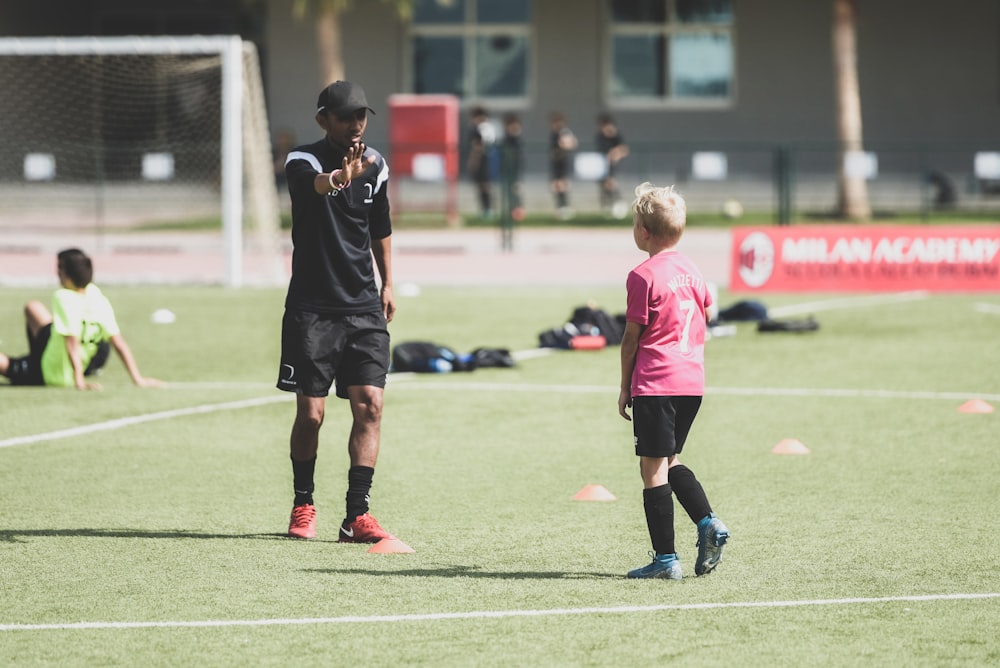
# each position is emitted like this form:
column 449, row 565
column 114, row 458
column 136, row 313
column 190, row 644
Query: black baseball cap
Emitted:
column 342, row 98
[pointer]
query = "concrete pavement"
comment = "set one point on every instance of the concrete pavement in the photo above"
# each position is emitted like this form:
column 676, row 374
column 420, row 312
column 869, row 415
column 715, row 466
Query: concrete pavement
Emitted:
column 472, row 256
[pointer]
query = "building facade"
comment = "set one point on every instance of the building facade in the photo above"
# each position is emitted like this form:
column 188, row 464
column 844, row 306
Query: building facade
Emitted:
column 743, row 78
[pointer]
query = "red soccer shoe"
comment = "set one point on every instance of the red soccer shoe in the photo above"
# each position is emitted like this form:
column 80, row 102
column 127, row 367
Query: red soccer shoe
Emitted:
column 364, row 529
column 303, row 522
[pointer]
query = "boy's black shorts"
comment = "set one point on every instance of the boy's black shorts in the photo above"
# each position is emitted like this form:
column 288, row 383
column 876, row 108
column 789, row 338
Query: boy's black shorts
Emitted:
column 27, row 370
column 318, row 348
column 661, row 424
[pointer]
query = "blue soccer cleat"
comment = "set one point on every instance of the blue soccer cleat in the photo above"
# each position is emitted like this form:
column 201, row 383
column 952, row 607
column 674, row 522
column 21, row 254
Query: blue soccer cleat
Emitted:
column 712, row 535
column 665, row 566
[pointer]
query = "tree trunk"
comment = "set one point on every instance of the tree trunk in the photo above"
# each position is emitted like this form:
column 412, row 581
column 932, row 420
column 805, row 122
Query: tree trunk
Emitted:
column 852, row 188
column 329, row 44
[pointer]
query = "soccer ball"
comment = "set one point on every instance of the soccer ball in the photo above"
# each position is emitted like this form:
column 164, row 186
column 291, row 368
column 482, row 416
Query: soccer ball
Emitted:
column 732, row 209
column 163, row 316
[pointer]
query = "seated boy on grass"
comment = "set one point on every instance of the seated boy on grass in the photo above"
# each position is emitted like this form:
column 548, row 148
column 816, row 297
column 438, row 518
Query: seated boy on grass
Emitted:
column 72, row 342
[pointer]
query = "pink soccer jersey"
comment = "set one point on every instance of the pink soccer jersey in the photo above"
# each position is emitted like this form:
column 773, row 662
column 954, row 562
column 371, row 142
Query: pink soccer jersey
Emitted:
column 668, row 295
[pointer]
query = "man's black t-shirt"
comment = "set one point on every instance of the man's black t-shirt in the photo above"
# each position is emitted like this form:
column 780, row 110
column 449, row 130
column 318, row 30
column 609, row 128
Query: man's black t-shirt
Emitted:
column 332, row 266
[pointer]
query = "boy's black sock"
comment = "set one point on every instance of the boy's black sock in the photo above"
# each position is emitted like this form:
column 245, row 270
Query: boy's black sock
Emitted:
column 689, row 492
column 561, row 200
column 302, row 480
column 359, row 483
column 659, row 506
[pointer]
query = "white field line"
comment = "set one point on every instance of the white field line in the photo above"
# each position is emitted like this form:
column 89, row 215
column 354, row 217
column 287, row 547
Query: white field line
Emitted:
column 987, row 308
column 141, row 419
column 852, row 393
column 492, row 614
column 809, row 307
column 846, row 302
column 217, row 385
column 739, row 391
column 518, row 355
column 479, row 387
column 532, row 353
column 418, row 381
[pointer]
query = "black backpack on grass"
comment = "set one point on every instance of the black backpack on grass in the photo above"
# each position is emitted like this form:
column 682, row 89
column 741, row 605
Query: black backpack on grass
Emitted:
column 795, row 325
column 594, row 321
column 427, row 357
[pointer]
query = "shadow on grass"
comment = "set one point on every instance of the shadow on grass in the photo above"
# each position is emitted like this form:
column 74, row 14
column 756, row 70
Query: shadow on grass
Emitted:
column 458, row 571
column 17, row 535
column 444, row 571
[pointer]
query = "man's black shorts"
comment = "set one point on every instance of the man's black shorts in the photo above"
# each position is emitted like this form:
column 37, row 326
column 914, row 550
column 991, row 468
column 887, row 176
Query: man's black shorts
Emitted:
column 318, row 348
column 559, row 169
column 661, row 424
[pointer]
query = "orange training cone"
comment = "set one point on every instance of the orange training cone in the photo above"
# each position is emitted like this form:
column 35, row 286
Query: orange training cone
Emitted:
column 594, row 493
column 975, row 406
column 390, row 546
column 588, row 342
column 790, row 446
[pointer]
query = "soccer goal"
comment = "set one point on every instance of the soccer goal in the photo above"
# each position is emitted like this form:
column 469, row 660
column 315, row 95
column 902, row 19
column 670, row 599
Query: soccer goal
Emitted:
column 131, row 142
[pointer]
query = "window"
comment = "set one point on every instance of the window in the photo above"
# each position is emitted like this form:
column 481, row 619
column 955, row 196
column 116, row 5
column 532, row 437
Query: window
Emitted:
column 671, row 51
column 474, row 49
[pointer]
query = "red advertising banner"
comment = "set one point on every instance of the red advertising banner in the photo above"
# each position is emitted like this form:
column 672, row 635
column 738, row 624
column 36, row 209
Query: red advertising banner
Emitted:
column 844, row 258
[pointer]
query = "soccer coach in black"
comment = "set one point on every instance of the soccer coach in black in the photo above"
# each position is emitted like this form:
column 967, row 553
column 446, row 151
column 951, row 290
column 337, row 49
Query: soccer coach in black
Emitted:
column 334, row 328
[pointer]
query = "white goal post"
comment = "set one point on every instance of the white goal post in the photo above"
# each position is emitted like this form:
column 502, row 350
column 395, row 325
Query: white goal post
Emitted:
column 142, row 131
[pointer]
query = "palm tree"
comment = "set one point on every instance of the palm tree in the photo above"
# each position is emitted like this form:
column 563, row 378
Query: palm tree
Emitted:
column 327, row 14
column 852, row 189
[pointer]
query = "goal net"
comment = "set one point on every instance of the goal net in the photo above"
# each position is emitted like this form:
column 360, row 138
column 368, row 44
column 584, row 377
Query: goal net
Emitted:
column 154, row 146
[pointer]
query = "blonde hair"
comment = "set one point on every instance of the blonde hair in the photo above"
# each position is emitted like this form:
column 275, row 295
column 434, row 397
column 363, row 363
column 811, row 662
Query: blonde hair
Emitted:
column 661, row 210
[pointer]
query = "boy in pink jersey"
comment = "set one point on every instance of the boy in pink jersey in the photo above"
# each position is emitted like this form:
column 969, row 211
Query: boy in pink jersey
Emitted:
column 663, row 379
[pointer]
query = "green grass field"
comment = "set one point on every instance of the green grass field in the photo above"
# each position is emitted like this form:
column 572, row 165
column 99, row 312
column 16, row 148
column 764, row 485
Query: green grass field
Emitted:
column 153, row 534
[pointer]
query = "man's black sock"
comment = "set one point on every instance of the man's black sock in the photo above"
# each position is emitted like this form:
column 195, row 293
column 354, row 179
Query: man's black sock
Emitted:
column 302, row 480
column 359, row 483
